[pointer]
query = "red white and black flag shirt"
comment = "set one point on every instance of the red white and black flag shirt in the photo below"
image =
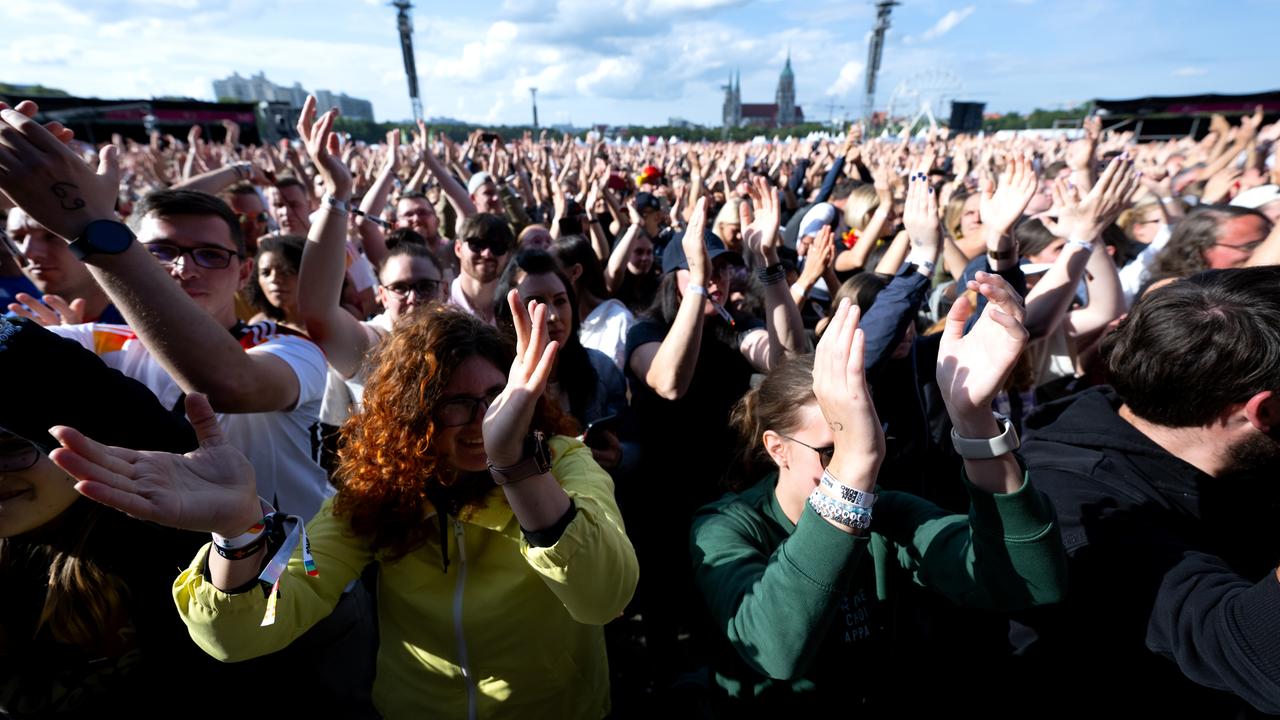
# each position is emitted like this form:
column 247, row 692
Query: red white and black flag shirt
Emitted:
column 283, row 446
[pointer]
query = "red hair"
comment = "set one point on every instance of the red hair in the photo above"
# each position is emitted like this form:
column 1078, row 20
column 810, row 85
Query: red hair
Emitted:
column 388, row 461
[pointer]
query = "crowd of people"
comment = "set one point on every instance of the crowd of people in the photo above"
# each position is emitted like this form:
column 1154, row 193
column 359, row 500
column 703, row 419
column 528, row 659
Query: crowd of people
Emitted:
column 553, row 427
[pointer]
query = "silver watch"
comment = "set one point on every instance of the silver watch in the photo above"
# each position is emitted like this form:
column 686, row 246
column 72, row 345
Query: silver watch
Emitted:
column 987, row 448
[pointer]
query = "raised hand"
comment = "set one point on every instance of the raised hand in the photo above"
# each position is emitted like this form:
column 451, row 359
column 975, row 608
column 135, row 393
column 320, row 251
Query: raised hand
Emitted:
column 506, row 423
column 48, row 310
column 819, row 256
column 760, row 220
column 1001, row 207
column 920, row 214
column 1086, row 217
column 323, row 147
column 972, row 368
column 840, row 386
column 209, row 490
column 695, row 248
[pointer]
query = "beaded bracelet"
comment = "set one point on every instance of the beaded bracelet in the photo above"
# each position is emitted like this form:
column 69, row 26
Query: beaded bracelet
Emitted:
column 840, row 512
column 775, row 273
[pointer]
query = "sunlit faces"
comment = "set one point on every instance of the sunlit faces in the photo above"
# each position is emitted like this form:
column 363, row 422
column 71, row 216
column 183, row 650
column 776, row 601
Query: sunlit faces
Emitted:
column 213, row 289
column 1238, row 237
column 717, row 284
column 417, row 214
column 481, row 259
column 33, row 491
column 487, row 199
column 472, row 384
column 407, row 282
column 547, row 289
column 291, row 208
column 278, row 281
column 50, row 265
column 640, row 259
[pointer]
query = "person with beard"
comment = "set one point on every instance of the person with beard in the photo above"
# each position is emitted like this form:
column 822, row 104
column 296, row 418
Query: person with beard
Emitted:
column 483, row 248
column 500, row 547
column 1166, row 495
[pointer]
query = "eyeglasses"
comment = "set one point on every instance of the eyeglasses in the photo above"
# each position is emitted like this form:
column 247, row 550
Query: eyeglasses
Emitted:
column 1247, row 247
column 462, row 410
column 423, row 288
column 206, row 256
column 245, row 217
column 824, row 453
column 497, row 247
column 16, row 452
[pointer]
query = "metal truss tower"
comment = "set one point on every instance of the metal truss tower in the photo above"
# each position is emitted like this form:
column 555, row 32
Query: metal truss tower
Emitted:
column 405, row 25
column 874, row 50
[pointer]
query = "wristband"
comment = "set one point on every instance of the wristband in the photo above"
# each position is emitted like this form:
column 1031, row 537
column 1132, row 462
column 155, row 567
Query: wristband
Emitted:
column 772, row 274
column 840, row 512
column 243, row 170
column 920, row 259
column 987, row 448
column 249, row 537
column 341, row 206
column 857, row 498
column 695, row 290
column 1086, row 244
column 242, row 552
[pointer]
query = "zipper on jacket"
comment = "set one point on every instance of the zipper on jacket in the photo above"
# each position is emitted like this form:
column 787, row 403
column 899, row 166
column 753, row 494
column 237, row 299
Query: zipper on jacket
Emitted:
column 463, row 661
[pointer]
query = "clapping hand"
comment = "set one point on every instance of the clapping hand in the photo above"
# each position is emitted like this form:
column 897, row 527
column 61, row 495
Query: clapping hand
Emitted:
column 323, row 147
column 760, row 220
column 1001, row 207
column 211, row 489
column 840, row 386
column 506, row 423
column 1086, row 217
column 972, row 368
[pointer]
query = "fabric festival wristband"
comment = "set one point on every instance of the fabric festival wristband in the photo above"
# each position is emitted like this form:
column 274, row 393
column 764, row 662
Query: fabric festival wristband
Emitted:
column 249, row 537
column 692, row 289
column 1086, row 244
column 244, row 552
column 921, row 260
column 295, row 531
column 838, row 511
column 857, row 498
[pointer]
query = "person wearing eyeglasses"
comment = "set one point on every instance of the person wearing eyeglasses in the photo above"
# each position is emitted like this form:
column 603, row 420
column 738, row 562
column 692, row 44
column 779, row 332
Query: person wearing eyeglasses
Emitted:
column 811, row 570
column 174, row 273
column 500, row 547
column 484, row 246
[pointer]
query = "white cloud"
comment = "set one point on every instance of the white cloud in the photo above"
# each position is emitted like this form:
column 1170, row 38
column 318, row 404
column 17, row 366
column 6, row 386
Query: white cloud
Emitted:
column 947, row 23
column 1190, row 71
column 850, row 77
column 612, row 77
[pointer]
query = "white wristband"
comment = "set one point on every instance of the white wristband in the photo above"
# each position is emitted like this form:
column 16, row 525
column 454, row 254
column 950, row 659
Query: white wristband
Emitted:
column 1086, row 244
column 248, row 537
column 920, row 258
column 692, row 289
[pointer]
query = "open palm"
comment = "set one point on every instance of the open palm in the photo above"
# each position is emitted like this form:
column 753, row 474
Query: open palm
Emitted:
column 973, row 367
column 211, row 489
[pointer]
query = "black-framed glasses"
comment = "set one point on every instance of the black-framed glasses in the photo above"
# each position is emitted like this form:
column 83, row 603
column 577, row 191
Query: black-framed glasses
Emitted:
column 206, row 256
column 423, row 288
column 16, row 452
column 497, row 247
column 824, row 453
column 462, row 410
column 1244, row 247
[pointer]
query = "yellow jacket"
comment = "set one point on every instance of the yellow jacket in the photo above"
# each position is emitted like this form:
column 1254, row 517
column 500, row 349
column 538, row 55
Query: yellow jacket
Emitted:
column 508, row 631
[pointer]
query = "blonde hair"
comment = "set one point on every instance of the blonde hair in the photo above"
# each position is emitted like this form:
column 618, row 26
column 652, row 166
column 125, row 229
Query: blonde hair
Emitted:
column 862, row 203
column 953, row 214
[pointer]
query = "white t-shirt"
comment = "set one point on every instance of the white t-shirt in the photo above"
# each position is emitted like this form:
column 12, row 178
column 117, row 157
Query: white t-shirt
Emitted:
column 605, row 329
column 283, row 447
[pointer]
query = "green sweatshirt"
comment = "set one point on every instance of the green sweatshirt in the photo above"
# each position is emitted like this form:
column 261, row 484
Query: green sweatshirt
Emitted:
column 812, row 614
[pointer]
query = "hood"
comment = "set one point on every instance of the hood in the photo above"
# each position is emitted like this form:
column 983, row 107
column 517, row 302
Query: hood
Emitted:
column 1089, row 419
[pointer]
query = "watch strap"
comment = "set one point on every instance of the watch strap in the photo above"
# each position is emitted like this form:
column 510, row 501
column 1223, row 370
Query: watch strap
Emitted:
column 537, row 461
column 987, row 448
column 82, row 247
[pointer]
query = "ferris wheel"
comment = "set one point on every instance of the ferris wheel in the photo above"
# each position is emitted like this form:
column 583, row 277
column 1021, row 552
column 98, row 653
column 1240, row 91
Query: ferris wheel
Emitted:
column 927, row 93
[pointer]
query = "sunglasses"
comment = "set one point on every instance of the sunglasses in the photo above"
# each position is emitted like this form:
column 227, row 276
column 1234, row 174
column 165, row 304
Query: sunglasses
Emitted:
column 497, row 247
column 420, row 288
column 824, row 453
column 460, row 411
column 16, row 452
column 260, row 217
column 207, row 256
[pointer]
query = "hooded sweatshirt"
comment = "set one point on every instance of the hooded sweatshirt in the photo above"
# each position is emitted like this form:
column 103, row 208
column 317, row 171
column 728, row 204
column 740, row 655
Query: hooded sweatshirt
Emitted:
column 1173, row 601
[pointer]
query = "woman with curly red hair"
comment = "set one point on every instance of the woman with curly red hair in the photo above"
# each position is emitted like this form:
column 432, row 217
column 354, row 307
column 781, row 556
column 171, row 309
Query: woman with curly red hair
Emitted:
column 501, row 549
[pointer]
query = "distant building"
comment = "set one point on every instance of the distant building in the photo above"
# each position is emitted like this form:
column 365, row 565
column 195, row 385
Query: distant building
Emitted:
column 257, row 88
column 783, row 112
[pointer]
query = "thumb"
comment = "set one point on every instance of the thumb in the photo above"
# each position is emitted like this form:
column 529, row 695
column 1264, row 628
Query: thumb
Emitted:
column 109, row 164
column 200, row 415
column 957, row 317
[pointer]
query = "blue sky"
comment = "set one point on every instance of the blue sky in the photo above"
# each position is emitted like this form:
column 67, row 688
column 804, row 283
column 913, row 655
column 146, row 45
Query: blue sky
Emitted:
column 644, row 61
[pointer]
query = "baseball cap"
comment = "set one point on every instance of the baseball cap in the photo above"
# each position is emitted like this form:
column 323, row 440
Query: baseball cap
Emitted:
column 477, row 180
column 673, row 256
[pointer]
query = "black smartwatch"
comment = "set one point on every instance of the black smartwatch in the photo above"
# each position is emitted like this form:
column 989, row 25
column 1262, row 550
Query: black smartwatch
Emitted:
column 102, row 237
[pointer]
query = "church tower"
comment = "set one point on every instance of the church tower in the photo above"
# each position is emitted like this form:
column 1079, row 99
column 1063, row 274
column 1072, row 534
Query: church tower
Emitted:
column 731, row 115
column 786, row 97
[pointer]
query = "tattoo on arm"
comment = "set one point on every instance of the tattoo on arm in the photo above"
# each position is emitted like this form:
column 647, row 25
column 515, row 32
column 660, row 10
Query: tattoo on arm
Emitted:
column 59, row 190
column 836, row 425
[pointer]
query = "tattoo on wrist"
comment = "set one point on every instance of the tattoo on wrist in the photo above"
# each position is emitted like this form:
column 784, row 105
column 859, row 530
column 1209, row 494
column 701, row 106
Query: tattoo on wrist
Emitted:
column 836, row 425
column 59, row 190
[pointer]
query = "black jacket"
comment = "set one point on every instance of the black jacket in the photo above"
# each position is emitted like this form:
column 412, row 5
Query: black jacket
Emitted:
column 1173, row 603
